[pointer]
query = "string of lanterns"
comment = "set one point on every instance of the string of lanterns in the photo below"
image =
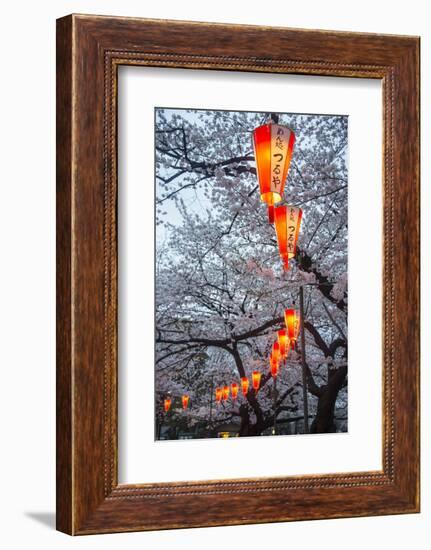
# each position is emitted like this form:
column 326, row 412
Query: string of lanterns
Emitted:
column 222, row 393
column 285, row 340
column 167, row 402
column 273, row 147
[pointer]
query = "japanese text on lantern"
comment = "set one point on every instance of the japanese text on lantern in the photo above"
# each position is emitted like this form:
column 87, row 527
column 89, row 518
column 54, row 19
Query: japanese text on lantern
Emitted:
column 279, row 137
column 292, row 229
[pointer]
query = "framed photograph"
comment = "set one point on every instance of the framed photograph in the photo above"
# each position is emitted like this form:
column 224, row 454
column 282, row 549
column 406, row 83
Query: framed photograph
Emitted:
column 237, row 274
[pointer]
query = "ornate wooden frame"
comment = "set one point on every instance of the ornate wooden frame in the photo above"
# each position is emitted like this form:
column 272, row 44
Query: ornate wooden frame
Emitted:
column 89, row 51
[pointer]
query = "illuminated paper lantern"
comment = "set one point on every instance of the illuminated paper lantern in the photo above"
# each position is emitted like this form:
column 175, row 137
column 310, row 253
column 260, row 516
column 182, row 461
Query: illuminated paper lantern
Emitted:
column 255, row 377
column 276, row 350
column 273, row 361
column 167, row 404
column 225, row 393
column 234, row 390
column 244, row 385
column 185, row 400
column 273, row 358
column 284, row 343
column 287, row 221
column 274, row 368
column 294, row 217
column 218, row 394
column 273, row 147
column 291, row 318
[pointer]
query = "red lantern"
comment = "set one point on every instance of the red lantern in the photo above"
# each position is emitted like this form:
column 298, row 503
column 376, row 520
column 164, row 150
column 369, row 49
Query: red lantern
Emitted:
column 244, row 385
column 287, row 224
column 276, row 351
column 185, row 400
column 234, row 390
column 255, row 377
column 273, row 146
column 167, row 404
column 274, row 368
column 225, row 393
column 284, row 343
column 274, row 358
column 291, row 318
column 218, row 394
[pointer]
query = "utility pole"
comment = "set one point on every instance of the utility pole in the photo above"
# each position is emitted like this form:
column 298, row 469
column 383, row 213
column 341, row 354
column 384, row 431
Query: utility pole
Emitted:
column 159, row 427
column 211, row 403
column 275, row 404
column 303, row 359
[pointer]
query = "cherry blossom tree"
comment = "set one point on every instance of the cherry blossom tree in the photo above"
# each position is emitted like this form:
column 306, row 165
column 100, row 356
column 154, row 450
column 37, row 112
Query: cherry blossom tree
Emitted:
column 220, row 285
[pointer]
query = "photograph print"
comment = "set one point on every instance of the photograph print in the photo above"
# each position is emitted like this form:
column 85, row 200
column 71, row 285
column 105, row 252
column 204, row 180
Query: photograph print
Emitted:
column 251, row 273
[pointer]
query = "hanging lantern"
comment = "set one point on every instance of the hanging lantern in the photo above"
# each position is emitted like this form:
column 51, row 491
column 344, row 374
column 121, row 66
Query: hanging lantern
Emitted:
column 294, row 217
column 291, row 318
column 255, row 377
column 273, row 146
column 287, row 223
column 284, row 343
column 218, row 394
column 225, row 393
column 234, row 390
column 273, row 362
column 167, row 404
column 185, row 400
column 276, row 350
column 244, row 385
column 274, row 368
column 274, row 358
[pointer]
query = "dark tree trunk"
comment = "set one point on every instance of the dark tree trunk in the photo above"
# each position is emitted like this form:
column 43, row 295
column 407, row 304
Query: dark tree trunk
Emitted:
column 324, row 419
column 247, row 428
